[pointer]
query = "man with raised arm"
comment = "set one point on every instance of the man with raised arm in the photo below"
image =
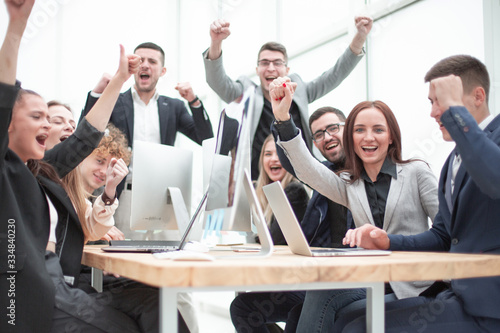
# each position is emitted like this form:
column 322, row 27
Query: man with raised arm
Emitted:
column 469, row 206
column 272, row 62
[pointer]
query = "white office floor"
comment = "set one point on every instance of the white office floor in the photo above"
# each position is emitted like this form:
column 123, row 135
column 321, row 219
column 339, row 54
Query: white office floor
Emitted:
column 213, row 311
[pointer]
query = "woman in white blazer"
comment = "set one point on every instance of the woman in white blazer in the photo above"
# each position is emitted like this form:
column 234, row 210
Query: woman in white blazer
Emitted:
column 377, row 185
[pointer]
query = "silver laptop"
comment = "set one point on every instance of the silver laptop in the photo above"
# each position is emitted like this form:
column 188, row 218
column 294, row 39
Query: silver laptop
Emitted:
column 156, row 246
column 293, row 232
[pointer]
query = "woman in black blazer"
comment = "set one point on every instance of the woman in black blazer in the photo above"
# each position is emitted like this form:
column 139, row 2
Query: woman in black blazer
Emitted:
column 36, row 282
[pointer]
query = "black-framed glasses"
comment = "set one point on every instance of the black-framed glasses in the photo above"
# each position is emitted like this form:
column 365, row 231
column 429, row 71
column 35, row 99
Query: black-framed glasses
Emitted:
column 277, row 63
column 332, row 129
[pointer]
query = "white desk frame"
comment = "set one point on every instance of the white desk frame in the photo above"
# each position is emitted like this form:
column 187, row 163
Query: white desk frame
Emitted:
column 375, row 305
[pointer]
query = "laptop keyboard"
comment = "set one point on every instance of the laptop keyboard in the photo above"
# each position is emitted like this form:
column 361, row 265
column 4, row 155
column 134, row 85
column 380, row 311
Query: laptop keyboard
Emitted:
column 146, row 245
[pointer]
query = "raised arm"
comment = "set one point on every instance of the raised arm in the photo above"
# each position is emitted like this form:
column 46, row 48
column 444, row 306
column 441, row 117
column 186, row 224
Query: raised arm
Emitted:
column 18, row 16
column 479, row 151
column 227, row 89
column 219, row 30
column 363, row 26
column 65, row 156
column 19, row 12
column 344, row 65
column 186, row 92
column 100, row 113
column 94, row 95
column 308, row 169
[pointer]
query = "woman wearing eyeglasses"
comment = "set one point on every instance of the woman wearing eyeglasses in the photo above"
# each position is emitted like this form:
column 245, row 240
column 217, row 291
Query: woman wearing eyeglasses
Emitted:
column 377, row 185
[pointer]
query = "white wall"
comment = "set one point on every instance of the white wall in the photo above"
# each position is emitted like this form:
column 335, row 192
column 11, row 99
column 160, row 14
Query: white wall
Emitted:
column 70, row 43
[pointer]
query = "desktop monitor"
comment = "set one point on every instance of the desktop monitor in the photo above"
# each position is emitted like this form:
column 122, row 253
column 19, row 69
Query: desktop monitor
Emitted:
column 227, row 202
column 161, row 187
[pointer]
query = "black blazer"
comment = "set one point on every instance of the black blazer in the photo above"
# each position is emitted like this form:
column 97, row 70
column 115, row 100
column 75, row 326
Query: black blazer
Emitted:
column 173, row 114
column 64, row 157
column 174, row 118
column 25, row 285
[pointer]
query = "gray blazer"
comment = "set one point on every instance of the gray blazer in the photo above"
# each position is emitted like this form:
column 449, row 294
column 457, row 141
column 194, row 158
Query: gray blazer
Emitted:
column 306, row 92
column 412, row 198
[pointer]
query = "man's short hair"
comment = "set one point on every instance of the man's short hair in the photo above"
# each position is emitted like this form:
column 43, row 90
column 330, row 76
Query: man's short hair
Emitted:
column 153, row 46
column 326, row 109
column 273, row 46
column 472, row 72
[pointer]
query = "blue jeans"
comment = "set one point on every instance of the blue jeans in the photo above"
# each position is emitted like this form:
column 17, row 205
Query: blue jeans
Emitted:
column 322, row 307
column 251, row 311
column 440, row 314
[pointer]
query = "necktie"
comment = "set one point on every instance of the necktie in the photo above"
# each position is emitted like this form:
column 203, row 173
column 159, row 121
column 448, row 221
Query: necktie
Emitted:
column 453, row 166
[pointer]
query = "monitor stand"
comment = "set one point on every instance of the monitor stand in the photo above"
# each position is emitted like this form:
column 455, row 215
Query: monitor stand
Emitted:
column 266, row 242
column 176, row 200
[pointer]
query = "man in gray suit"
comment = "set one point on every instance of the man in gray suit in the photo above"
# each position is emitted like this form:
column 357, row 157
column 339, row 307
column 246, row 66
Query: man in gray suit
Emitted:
column 272, row 63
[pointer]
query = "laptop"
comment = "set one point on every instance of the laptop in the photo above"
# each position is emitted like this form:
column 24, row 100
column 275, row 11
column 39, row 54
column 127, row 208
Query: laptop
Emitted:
column 151, row 246
column 293, row 233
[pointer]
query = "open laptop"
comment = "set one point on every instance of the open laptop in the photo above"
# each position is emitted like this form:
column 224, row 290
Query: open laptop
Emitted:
column 152, row 246
column 293, row 232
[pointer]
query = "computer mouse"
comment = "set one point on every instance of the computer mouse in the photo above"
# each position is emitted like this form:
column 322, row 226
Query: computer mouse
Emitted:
column 195, row 246
column 192, row 255
column 184, row 255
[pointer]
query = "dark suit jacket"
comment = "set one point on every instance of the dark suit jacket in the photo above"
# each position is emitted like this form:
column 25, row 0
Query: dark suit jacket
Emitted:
column 173, row 114
column 25, row 285
column 173, row 118
column 473, row 225
column 28, row 292
column 64, row 157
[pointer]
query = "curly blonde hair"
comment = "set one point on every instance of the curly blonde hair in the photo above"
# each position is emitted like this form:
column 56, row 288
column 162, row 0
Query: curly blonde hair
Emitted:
column 114, row 143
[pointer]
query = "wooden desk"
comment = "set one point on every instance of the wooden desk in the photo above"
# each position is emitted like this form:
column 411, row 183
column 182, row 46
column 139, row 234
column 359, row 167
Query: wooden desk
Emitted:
column 285, row 271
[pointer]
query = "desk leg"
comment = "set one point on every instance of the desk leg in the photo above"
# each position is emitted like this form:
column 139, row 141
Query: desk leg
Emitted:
column 168, row 310
column 375, row 308
column 96, row 279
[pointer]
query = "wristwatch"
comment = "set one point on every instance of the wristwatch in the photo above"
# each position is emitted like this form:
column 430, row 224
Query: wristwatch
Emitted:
column 107, row 200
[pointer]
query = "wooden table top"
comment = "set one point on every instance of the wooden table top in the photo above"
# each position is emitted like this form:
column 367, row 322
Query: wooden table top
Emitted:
column 283, row 267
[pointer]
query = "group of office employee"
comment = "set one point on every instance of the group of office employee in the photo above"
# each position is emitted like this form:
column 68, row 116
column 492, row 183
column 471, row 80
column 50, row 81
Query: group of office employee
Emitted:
column 364, row 193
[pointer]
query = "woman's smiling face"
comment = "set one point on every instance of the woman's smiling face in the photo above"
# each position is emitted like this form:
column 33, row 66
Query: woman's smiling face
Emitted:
column 371, row 137
column 29, row 128
column 63, row 125
column 271, row 162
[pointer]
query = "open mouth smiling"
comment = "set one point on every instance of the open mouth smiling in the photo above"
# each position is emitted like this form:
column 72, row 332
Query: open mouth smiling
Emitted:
column 369, row 149
column 271, row 78
column 333, row 145
column 41, row 139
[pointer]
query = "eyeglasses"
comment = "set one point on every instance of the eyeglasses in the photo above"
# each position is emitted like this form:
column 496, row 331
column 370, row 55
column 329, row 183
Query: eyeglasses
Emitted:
column 331, row 130
column 265, row 63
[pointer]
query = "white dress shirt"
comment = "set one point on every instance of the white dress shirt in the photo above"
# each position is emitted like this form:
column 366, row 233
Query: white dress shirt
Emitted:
column 146, row 118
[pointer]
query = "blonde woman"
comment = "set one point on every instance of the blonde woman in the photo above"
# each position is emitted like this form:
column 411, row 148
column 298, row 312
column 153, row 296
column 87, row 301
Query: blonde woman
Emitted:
column 271, row 170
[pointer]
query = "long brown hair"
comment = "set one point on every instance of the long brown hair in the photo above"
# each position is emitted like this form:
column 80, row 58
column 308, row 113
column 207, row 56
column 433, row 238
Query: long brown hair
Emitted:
column 73, row 182
column 77, row 194
column 354, row 164
column 264, row 180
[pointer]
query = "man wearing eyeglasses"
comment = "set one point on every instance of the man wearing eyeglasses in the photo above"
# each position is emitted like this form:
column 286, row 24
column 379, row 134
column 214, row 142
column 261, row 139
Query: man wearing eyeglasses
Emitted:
column 272, row 62
column 324, row 224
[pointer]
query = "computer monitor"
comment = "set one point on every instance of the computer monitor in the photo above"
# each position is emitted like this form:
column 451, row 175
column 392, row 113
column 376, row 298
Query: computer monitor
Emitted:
column 227, row 202
column 161, row 187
